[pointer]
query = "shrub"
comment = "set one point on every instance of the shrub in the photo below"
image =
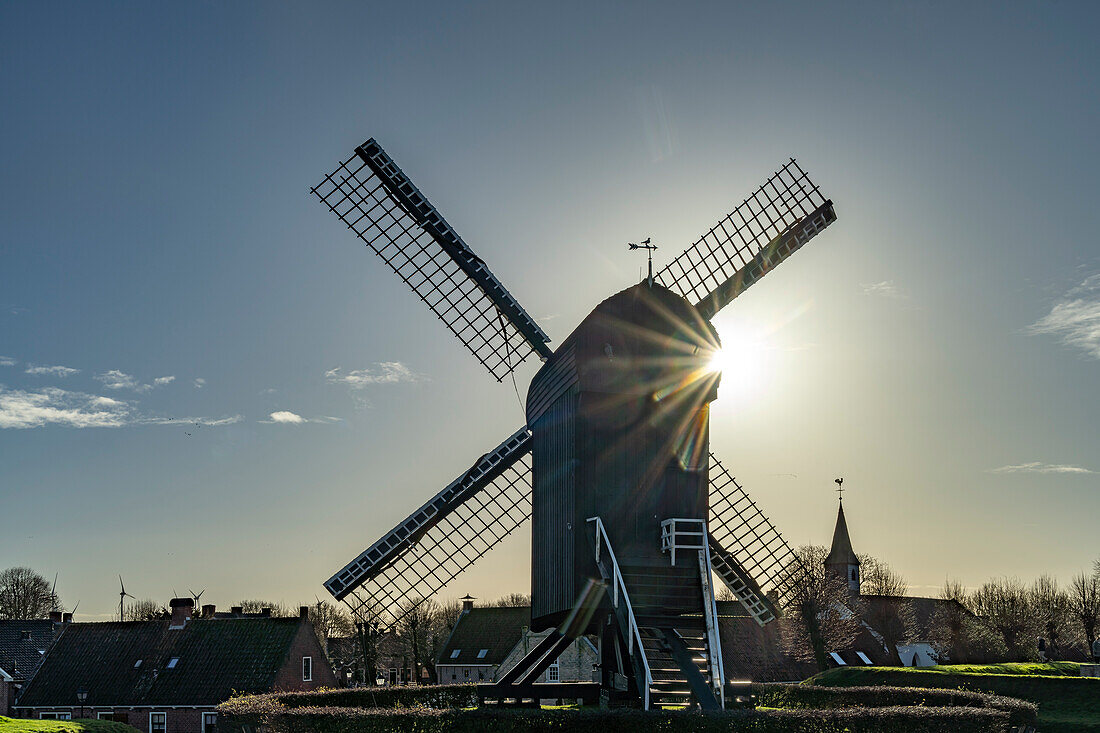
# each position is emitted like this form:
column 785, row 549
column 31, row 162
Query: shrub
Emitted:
column 817, row 696
column 486, row 720
column 431, row 696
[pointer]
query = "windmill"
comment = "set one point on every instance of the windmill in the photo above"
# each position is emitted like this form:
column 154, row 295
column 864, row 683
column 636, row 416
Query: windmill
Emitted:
column 613, row 464
column 122, row 596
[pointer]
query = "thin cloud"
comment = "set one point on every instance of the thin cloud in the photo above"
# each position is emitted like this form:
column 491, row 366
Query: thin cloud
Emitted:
column 1075, row 319
column 22, row 409
column 54, row 406
column 1039, row 467
column 884, row 289
column 199, row 382
column 51, row 371
column 386, row 372
column 7, row 361
column 115, row 379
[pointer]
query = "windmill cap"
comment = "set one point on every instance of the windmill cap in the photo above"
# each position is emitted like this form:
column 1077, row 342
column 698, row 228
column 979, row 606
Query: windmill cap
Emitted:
column 178, row 602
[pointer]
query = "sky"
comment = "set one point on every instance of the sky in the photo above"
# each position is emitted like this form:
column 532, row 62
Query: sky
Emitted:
column 207, row 383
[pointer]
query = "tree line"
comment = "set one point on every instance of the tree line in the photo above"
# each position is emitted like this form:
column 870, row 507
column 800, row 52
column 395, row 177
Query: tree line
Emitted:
column 1003, row 620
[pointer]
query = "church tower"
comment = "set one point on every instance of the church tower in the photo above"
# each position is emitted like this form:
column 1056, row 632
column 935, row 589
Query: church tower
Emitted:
column 842, row 561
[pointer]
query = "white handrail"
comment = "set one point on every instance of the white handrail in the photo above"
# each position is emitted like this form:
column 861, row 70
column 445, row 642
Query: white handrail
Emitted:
column 714, row 640
column 633, row 632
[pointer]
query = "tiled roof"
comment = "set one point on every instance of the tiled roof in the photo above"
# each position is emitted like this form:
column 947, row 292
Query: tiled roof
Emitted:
column 20, row 656
column 496, row 630
column 216, row 659
column 923, row 609
column 754, row 652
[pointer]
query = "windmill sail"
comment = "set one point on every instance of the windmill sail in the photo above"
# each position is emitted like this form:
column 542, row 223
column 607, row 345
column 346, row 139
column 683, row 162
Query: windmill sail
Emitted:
column 378, row 202
column 444, row 537
column 746, row 541
column 769, row 226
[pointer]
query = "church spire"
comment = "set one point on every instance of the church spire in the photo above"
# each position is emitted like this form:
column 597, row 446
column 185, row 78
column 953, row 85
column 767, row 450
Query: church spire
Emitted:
column 842, row 560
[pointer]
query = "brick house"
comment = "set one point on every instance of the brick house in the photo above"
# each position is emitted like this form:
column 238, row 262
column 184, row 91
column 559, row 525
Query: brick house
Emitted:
column 23, row 645
column 168, row 676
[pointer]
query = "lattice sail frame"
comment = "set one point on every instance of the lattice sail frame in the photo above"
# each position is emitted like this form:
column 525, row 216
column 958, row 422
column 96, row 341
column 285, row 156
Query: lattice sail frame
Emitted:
column 765, row 229
column 739, row 526
column 443, row 538
column 377, row 201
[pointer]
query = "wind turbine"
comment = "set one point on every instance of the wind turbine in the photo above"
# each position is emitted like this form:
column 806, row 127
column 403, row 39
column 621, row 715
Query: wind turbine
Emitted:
column 122, row 595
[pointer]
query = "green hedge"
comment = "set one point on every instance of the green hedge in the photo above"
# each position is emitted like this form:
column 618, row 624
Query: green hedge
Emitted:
column 485, row 720
column 1066, row 704
column 431, row 696
column 817, row 697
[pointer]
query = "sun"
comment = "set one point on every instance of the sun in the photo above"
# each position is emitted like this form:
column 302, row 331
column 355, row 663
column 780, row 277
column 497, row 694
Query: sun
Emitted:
column 743, row 362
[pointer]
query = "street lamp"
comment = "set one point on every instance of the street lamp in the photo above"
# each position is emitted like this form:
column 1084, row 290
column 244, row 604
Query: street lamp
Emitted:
column 82, row 696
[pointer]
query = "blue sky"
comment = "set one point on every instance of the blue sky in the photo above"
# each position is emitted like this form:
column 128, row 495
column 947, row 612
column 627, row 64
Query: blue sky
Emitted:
column 939, row 346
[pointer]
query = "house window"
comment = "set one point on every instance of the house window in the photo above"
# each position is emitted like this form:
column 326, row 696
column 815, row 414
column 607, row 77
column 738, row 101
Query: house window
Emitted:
column 466, row 673
column 554, row 673
column 158, row 722
column 454, row 675
column 55, row 716
column 209, row 723
column 105, row 716
column 173, row 662
column 137, row 664
column 863, row 658
column 455, row 653
column 837, row 658
column 307, row 669
column 481, row 654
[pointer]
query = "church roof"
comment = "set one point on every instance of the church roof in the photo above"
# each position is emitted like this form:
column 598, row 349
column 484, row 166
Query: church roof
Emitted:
column 841, row 553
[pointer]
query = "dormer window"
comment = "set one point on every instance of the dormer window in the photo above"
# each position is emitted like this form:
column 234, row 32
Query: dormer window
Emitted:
column 455, row 653
column 481, row 654
column 137, row 664
column 173, row 662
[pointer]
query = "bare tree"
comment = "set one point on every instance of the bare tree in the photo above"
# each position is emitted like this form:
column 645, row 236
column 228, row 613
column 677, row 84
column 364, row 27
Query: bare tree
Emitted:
column 146, row 610
column 1003, row 606
column 1050, row 606
column 1084, row 602
column 820, row 614
column 877, row 578
column 329, row 620
column 888, row 613
column 24, row 594
column 420, row 634
column 512, row 600
column 255, row 605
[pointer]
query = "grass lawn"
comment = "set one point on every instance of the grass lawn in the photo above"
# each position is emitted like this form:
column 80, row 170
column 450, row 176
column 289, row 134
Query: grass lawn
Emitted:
column 26, row 725
column 1067, row 703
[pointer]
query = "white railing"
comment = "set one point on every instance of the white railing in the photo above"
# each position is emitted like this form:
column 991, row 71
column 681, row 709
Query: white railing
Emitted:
column 633, row 632
column 710, row 613
column 683, row 534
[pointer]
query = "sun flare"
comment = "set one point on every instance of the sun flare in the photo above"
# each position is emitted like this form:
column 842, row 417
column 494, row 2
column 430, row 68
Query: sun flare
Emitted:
column 742, row 361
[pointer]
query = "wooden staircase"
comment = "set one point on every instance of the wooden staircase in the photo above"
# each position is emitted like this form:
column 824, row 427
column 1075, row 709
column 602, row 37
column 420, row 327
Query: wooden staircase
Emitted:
column 665, row 604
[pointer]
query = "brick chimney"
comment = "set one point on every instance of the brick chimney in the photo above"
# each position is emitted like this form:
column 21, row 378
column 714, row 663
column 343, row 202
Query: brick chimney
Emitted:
column 467, row 602
column 208, row 610
column 55, row 616
column 181, row 612
column 265, row 612
column 303, row 613
column 67, row 618
column 236, row 610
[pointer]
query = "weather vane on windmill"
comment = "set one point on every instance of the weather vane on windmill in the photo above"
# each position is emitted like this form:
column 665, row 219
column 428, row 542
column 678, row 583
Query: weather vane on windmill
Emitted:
column 645, row 244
